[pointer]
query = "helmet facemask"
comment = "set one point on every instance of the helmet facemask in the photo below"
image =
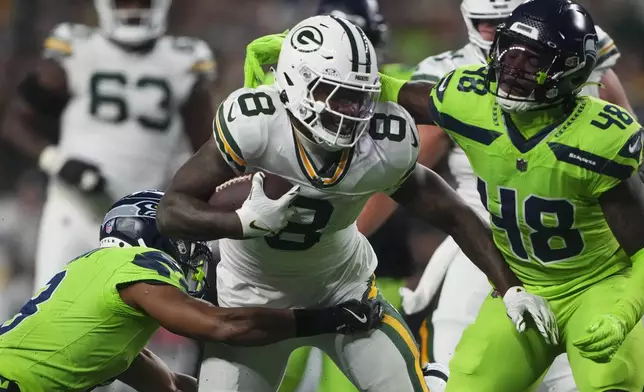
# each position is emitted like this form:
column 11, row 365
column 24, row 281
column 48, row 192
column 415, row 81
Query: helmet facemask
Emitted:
column 522, row 73
column 133, row 22
column 337, row 113
column 194, row 259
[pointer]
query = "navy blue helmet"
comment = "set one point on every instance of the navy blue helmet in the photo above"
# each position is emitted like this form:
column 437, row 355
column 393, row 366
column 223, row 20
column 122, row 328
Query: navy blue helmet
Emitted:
column 363, row 13
column 542, row 54
column 131, row 221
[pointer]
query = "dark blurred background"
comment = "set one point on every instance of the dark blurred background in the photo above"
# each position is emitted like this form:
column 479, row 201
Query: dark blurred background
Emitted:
column 418, row 28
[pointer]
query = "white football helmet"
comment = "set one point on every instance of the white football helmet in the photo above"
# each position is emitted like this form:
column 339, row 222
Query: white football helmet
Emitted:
column 436, row 376
column 327, row 74
column 132, row 26
column 475, row 10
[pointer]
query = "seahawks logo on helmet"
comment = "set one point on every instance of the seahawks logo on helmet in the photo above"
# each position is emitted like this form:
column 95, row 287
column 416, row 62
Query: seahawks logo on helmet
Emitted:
column 127, row 207
column 307, row 39
column 147, row 208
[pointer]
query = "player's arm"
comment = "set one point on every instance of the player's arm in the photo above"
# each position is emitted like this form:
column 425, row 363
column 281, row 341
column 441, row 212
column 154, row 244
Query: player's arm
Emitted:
column 623, row 207
column 621, row 196
column 184, row 211
column 434, row 144
column 148, row 373
column 184, row 315
column 197, row 111
column 430, row 198
column 412, row 95
column 41, row 96
column 197, row 114
column 613, row 91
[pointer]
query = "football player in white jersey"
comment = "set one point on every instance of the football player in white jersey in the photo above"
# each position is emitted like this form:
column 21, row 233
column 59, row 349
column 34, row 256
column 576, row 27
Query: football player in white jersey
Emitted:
column 319, row 127
column 465, row 287
column 124, row 94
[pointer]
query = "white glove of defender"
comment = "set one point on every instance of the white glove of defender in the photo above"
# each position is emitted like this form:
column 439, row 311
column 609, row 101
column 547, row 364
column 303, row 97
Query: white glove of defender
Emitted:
column 518, row 301
column 259, row 215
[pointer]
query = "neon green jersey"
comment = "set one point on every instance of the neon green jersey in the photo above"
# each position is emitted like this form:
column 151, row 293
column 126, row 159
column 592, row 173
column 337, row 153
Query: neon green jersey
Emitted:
column 542, row 193
column 76, row 332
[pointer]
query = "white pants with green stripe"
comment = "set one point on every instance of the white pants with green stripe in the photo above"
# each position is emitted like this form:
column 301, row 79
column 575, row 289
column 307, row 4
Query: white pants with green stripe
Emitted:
column 382, row 360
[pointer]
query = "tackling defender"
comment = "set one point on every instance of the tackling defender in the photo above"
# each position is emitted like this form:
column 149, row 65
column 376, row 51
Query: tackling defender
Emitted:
column 114, row 90
column 90, row 322
column 464, row 287
column 558, row 174
column 319, row 126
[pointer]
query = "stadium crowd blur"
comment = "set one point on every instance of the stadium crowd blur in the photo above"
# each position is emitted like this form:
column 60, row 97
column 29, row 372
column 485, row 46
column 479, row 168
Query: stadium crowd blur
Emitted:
column 418, row 28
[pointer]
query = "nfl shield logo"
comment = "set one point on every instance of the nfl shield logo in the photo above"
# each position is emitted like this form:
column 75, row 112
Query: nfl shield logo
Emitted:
column 108, row 226
column 522, row 165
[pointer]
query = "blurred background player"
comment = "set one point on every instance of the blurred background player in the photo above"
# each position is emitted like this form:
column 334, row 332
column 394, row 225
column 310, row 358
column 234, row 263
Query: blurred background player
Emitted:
column 124, row 94
column 464, row 287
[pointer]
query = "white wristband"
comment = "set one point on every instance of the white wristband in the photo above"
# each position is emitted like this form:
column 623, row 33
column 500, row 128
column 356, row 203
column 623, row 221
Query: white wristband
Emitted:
column 51, row 160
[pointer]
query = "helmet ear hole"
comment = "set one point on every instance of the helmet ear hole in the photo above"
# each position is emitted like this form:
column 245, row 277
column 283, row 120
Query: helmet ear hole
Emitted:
column 283, row 97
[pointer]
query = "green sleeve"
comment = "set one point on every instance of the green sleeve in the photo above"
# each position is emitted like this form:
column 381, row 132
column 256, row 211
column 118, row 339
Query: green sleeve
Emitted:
column 149, row 266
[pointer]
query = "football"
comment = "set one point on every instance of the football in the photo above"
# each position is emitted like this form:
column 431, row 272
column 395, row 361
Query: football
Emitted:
column 230, row 195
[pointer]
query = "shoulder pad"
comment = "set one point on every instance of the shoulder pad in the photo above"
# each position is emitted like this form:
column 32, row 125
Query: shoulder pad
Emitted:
column 607, row 52
column 467, row 82
column 435, row 67
column 60, row 41
column 202, row 59
column 241, row 124
column 151, row 264
column 395, row 135
column 607, row 143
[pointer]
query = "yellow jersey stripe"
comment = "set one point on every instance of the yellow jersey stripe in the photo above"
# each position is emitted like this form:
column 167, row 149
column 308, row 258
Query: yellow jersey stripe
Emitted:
column 311, row 172
column 606, row 49
column 223, row 134
column 52, row 43
column 409, row 341
column 204, row 66
column 424, row 342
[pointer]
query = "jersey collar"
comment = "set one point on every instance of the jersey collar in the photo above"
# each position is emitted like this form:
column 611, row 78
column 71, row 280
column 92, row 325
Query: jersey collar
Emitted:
column 526, row 144
column 321, row 178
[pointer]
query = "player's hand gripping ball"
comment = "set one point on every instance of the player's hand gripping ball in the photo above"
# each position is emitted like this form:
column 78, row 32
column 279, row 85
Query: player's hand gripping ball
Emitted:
column 263, row 209
column 230, row 195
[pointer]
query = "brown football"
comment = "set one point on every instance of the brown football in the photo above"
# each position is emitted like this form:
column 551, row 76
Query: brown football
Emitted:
column 230, row 195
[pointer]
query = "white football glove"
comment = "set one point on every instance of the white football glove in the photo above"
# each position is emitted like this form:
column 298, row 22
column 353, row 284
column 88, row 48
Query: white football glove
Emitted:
column 518, row 301
column 261, row 216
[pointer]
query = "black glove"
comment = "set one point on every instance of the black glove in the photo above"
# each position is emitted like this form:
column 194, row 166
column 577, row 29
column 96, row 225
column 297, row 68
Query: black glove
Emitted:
column 82, row 175
column 348, row 317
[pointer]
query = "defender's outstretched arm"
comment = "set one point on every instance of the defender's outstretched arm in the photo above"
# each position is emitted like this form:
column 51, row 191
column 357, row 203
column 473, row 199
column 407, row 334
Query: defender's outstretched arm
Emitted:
column 184, row 315
column 429, row 197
